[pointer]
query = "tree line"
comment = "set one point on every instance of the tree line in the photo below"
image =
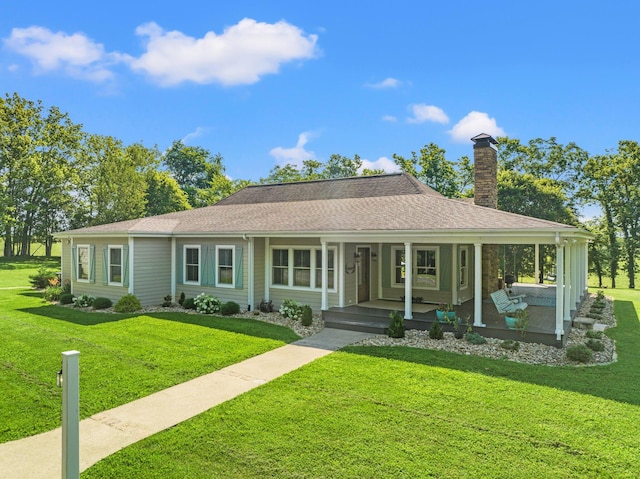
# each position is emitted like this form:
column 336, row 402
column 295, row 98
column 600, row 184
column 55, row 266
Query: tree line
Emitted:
column 55, row 176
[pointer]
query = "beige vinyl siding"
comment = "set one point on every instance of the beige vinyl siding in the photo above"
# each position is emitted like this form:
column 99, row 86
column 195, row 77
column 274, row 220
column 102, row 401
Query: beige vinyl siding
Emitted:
column 65, row 260
column 152, row 270
column 258, row 271
column 350, row 277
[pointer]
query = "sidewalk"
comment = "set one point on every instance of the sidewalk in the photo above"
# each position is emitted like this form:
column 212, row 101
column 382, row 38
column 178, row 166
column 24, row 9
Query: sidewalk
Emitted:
column 39, row 457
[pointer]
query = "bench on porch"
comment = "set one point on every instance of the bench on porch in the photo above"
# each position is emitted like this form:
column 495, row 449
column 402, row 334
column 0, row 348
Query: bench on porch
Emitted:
column 507, row 304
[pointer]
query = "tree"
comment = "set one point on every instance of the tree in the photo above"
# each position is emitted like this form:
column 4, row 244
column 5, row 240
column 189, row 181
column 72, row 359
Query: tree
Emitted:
column 339, row 166
column 599, row 252
column 432, row 168
column 163, row 194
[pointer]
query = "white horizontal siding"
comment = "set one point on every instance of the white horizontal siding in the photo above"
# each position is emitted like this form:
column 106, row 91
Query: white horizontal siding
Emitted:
column 152, row 270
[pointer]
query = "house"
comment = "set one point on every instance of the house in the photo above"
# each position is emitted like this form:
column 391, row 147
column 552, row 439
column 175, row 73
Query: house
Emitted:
column 327, row 243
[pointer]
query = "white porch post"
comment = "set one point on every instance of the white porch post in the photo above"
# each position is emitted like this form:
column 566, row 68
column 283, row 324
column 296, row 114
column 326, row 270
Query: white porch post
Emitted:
column 250, row 290
column 325, row 277
column 341, row 277
column 454, row 274
column 267, row 268
column 408, row 286
column 379, row 256
column 586, row 267
column 559, row 290
column 537, row 268
column 567, row 283
column 575, row 267
column 477, row 285
column 131, row 266
column 173, row 268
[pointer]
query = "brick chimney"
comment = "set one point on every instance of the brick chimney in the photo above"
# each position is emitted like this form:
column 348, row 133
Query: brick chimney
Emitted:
column 485, row 160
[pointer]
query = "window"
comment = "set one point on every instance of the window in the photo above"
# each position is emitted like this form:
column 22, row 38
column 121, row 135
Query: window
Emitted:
column 301, row 268
column 115, row 265
column 281, row 267
column 192, row 264
column 463, row 262
column 424, row 267
column 225, row 265
column 84, row 262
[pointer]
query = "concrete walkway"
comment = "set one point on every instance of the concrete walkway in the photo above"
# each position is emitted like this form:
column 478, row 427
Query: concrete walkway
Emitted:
column 39, row 457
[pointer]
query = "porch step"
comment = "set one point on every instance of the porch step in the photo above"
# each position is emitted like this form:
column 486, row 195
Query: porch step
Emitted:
column 360, row 326
column 365, row 322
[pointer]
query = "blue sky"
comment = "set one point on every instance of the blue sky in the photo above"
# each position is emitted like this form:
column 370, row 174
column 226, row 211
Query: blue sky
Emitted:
column 266, row 83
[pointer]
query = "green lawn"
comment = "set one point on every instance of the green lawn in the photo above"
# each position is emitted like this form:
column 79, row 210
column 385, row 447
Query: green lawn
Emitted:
column 122, row 357
column 402, row 412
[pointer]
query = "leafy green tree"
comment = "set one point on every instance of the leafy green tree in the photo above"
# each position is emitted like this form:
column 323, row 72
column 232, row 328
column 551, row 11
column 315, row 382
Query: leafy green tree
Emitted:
column 432, row 168
column 599, row 251
column 163, row 194
column 221, row 187
column 339, row 166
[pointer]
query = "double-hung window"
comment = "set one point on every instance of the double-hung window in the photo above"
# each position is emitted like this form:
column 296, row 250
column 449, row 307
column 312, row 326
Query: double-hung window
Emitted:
column 424, row 267
column 225, row 256
column 83, row 262
column 114, row 257
column 331, row 268
column 463, row 262
column 301, row 267
column 280, row 267
column 192, row 266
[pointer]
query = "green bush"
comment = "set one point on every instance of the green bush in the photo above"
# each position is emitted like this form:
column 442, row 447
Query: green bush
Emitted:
column 436, row 331
column 53, row 293
column 307, row 316
column 291, row 309
column 594, row 316
column 396, row 325
column 595, row 345
column 83, row 301
column 594, row 334
column 127, row 304
column 189, row 303
column 182, row 298
column 102, row 303
column 475, row 338
column 227, row 309
column 207, row 304
column 66, row 298
column 167, row 301
column 42, row 278
column 579, row 353
column 510, row 345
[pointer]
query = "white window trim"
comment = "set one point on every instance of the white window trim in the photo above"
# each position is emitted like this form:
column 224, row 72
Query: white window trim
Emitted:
column 184, row 266
column 314, row 287
column 109, row 282
column 414, row 259
column 78, row 248
column 233, row 267
column 464, row 284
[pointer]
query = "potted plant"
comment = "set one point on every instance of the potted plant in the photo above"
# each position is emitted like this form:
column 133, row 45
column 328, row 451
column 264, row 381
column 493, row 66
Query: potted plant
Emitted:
column 517, row 320
column 446, row 312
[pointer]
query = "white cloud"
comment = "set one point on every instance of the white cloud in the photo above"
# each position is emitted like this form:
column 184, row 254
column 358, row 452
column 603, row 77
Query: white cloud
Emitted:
column 389, row 118
column 296, row 155
column 240, row 55
column 422, row 113
column 198, row 132
column 385, row 84
column 75, row 54
column 382, row 163
column 473, row 124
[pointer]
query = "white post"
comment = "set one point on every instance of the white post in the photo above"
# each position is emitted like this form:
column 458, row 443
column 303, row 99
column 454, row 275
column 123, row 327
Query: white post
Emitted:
column 454, row 274
column 341, row 277
column 586, row 268
column 537, row 268
column 251, row 267
column 477, row 285
column 559, row 290
column 70, row 415
column 325, row 277
column 173, row 269
column 567, row 282
column 408, row 284
column 267, row 268
column 131, row 267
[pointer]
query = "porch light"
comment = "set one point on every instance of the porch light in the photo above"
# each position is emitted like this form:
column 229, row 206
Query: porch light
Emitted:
column 357, row 256
column 374, row 256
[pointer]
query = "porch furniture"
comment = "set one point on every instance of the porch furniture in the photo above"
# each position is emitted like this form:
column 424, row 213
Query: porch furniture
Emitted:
column 505, row 304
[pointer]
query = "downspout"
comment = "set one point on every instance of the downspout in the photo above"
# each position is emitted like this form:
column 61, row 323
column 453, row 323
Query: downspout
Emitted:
column 131, row 265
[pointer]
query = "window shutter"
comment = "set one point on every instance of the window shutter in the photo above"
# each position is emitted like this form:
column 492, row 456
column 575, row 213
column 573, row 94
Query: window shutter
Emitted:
column 105, row 265
column 74, row 263
column 238, row 266
column 445, row 268
column 211, row 266
column 386, row 266
column 92, row 263
column 205, row 252
column 180, row 264
column 125, row 265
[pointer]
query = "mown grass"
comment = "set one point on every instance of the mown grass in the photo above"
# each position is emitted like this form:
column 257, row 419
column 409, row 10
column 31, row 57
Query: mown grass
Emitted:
column 122, row 357
column 402, row 412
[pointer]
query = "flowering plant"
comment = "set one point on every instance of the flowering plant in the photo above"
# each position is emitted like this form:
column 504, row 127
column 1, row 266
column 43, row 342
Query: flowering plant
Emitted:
column 446, row 307
column 291, row 309
column 207, row 304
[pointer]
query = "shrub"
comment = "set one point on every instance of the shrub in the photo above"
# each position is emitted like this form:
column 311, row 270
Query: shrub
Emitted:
column 595, row 345
column 127, row 304
column 83, row 301
column 594, row 315
column 102, row 303
column 189, row 303
column 167, row 301
column 579, row 353
column 436, row 331
column 42, row 278
column 600, row 295
column 207, row 304
column 307, row 316
column 227, row 309
column 594, row 334
column 182, row 298
column 396, row 325
column 53, row 293
column 291, row 309
column 510, row 345
column 475, row 338
column 66, row 298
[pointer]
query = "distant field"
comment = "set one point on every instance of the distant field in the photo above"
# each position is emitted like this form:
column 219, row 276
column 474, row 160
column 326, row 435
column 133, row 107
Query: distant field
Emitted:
column 37, row 249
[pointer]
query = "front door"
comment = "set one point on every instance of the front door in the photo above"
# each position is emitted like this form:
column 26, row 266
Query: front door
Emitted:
column 364, row 274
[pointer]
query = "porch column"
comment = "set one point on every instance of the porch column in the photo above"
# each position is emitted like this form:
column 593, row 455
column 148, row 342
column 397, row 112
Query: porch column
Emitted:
column 173, row 268
column 454, row 274
column 575, row 268
column 341, row 274
column 408, row 286
column 131, row 266
column 537, row 268
column 325, row 277
column 567, row 283
column 585, row 247
column 252, row 279
column 559, row 290
column 267, row 268
column 477, row 285
column 379, row 258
